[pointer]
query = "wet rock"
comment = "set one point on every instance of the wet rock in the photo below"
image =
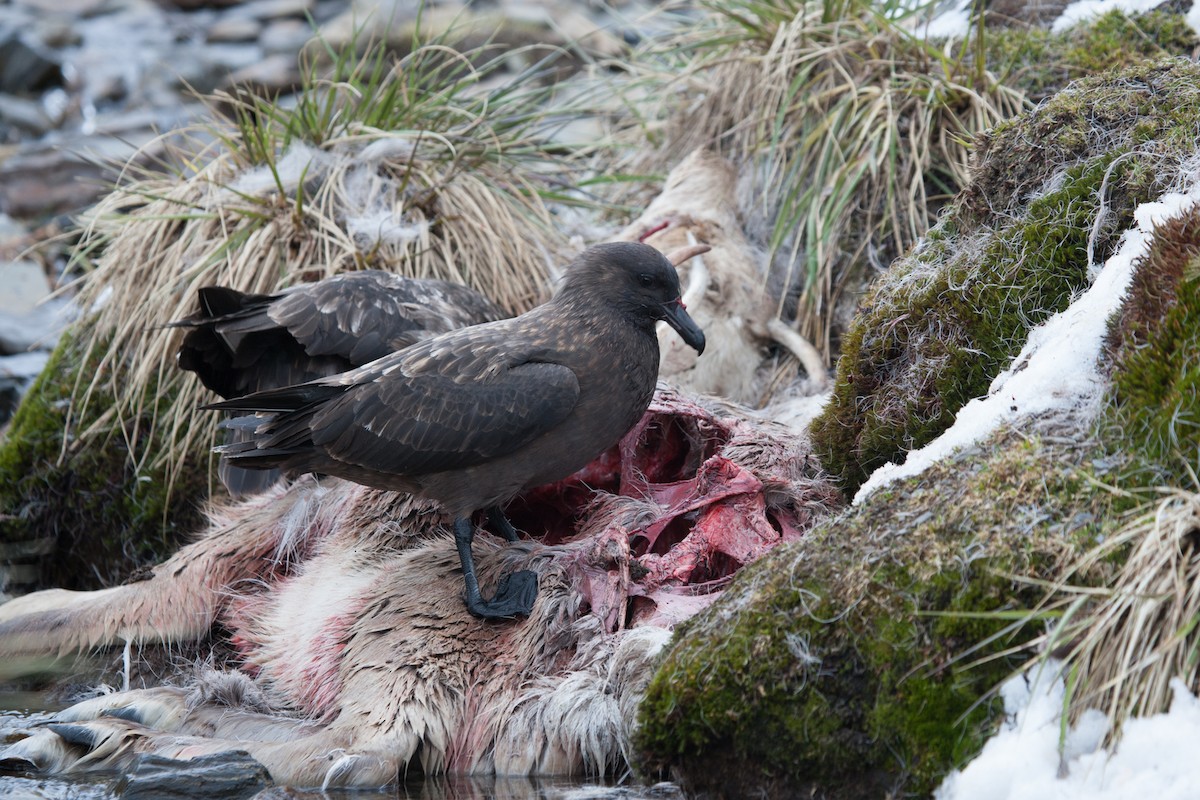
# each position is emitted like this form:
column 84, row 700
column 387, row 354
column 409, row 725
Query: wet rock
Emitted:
column 23, row 114
column 65, row 173
column 229, row 776
column 26, row 66
column 57, row 32
column 43, row 180
column 285, row 36
column 203, row 68
column 16, row 375
column 25, row 286
column 272, row 9
column 77, row 8
column 276, row 74
column 234, row 29
column 192, row 5
column 29, row 318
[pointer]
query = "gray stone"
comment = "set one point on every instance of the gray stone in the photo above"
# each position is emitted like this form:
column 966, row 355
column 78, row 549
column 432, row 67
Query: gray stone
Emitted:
column 26, row 66
column 274, row 74
column 25, row 286
column 234, row 29
column 16, row 374
column 272, row 9
column 285, row 36
column 57, row 32
column 205, row 68
column 23, row 113
column 74, row 8
column 229, row 776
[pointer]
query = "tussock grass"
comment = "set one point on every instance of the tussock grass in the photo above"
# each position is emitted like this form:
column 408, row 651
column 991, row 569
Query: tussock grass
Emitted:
column 850, row 132
column 434, row 165
column 1125, row 640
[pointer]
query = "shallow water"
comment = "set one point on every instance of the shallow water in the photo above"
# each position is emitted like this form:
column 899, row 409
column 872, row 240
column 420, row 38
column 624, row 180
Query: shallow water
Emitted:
column 21, row 711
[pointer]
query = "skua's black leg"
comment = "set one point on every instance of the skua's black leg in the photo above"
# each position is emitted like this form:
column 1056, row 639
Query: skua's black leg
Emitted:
column 501, row 525
column 515, row 594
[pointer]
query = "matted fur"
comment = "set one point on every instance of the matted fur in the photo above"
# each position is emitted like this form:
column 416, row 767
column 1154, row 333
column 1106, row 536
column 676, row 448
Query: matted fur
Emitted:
column 359, row 659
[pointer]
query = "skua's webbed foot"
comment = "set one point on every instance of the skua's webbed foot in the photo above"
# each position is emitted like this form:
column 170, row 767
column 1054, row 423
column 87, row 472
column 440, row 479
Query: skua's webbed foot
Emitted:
column 515, row 594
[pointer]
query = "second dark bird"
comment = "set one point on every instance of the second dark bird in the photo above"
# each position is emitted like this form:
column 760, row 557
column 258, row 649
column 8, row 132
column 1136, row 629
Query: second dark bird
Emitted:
column 472, row 417
column 238, row 343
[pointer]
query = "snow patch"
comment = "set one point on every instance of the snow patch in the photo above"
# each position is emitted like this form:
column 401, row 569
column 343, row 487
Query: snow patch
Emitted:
column 1023, row 760
column 950, row 21
column 1056, row 370
column 1082, row 10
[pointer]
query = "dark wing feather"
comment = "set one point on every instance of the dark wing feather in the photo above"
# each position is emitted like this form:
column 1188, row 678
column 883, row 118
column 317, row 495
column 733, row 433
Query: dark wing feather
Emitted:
column 455, row 401
column 362, row 316
column 432, row 423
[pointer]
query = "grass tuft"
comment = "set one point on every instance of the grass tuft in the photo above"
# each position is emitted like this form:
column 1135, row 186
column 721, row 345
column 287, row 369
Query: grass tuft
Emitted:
column 436, row 164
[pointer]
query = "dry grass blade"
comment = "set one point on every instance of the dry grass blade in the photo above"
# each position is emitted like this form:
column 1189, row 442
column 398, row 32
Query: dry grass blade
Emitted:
column 1132, row 637
column 851, row 132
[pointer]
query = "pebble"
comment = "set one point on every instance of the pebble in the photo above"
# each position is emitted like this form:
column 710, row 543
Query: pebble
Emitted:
column 274, row 74
column 272, row 9
column 234, row 29
column 23, row 113
column 26, row 66
column 285, row 36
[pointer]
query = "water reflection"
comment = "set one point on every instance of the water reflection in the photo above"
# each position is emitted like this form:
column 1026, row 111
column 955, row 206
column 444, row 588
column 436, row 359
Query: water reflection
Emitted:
column 33, row 711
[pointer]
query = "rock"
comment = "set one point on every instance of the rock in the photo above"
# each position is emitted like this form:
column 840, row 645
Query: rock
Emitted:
column 234, row 29
column 25, row 286
column 192, row 5
column 58, row 32
column 230, row 775
column 16, row 374
column 285, row 36
column 274, row 74
column 26, row 66
column 62, row 174
column 74, row 8
column 24, row 114
column 29, row 318
column 272, row 9
column 205, row 68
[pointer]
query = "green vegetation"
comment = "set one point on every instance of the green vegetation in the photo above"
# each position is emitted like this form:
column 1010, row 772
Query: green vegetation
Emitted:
column 937, row 328
column 863, row 658
column 1040, row 62
column 433, row 164
column 92, row 514
column 1156, row 378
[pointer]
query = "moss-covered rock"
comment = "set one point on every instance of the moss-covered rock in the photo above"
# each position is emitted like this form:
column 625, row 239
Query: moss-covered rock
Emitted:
column 1153, row 347
column 83, row 516
column 1040, row 62
column 861, row 660
column 1051, row 192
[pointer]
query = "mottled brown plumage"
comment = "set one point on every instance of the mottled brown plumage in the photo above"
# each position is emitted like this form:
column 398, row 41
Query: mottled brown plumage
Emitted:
column 241, row 343
column 472, row 417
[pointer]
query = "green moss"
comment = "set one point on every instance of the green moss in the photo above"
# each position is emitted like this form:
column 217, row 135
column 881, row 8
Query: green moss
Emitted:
column 861, row 660
column 1156, row 375
column 938, row 327
column 80, row 517
column 1041, row 62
